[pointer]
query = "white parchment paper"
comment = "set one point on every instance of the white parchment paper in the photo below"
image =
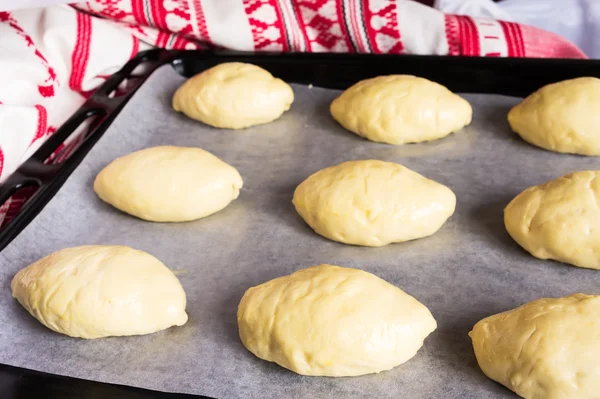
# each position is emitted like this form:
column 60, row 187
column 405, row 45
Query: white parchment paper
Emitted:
column 468, row 270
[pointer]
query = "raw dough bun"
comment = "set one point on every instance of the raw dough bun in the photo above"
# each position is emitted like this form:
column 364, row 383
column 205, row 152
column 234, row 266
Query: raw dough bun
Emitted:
column 373, row 203
column 234, row 95
column 561, row 117
column 400, row 109
column 559, row 219
column 99, row 291
column 169, row 184
column 546, row 349
column 332, row 321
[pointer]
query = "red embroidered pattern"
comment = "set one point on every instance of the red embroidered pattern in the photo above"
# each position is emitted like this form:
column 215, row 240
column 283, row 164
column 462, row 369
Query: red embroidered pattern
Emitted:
column 139, row 12
column 136, row 46
column 452, row 34
column 462, row 36
column 469, row 37
column 164, row 23
column 47, row 89
column 323, row 21
column 383, row 30
column 81, row 52
column 42, row 126
column 200, row 21
column 113, row 9
column 293, row 28
column 266, row 23
column 514, row 39
column 353, row 23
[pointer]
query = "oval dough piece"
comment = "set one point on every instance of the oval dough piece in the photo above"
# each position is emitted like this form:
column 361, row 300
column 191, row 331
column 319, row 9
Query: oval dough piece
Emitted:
column 400, row 109
column 169, row 184
column 561, row 117
column 99, row 291
column 373, row 203
column 559, row 220
column 332, row 321
column 546, row 349
column 233, row 95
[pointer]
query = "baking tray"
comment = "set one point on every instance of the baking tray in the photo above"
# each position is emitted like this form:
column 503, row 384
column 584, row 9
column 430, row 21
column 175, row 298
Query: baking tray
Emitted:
column 507, row 76
column 466, row 271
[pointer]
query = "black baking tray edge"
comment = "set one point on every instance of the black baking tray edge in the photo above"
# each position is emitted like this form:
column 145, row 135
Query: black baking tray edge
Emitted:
column 507, row 76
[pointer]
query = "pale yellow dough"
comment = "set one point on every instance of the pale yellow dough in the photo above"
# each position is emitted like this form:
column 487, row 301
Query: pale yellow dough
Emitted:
column 99, row 291
column 169, row 184
column 559, row 219
column 332, row 321
column 400, row 109
column 561, row 117
column 233, row 95
column 546, row 349
column 373, row 203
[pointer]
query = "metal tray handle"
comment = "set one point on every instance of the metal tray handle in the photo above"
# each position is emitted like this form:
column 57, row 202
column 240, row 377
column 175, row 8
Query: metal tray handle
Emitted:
column 99, row 111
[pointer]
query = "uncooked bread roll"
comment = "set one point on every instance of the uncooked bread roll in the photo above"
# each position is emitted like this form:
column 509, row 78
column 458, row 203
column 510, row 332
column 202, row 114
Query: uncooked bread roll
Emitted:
column 559, row 219
column 400, row 109
column 373, row 203
column 546, row 349
column 98, row 291
column 234, row 95
column 561, row 117
column 332, row 321
column 169, row 184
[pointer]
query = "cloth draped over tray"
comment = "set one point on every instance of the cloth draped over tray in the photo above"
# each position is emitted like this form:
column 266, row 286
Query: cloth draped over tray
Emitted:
column 53, row 58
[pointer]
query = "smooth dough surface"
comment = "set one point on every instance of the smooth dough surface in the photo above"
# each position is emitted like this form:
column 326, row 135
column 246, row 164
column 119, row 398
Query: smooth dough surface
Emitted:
column 169, row 184
column 332, row 321
column 559, row 220
column 546, row 349
column 561, row 117
column 400, row 109
column 373, row 203
column 99, row 291
column 233, row 95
